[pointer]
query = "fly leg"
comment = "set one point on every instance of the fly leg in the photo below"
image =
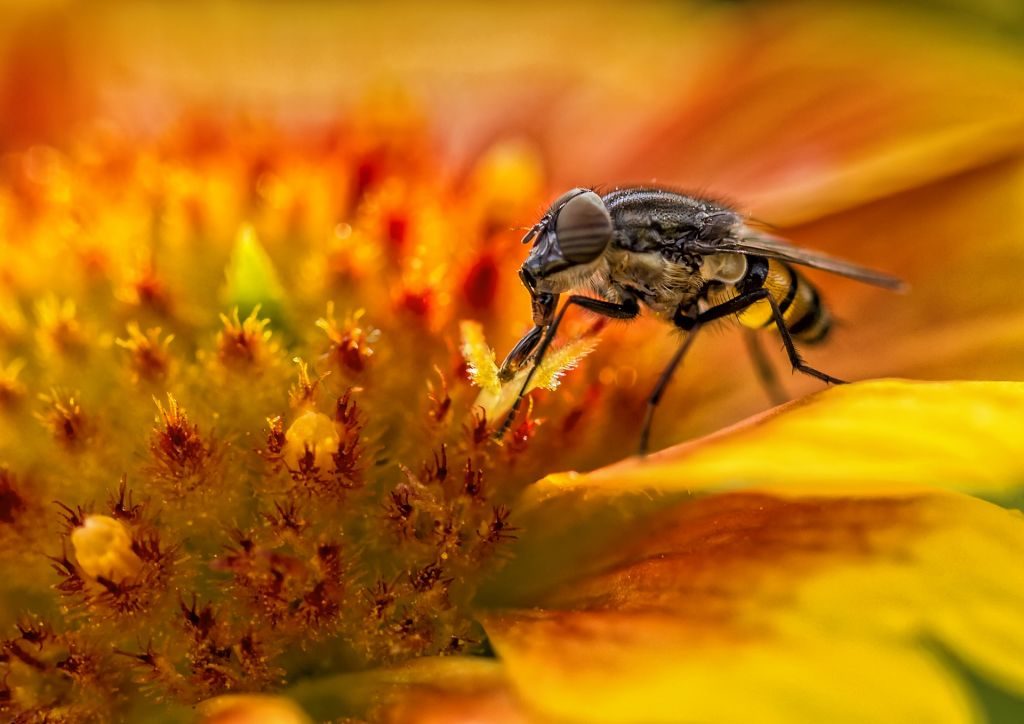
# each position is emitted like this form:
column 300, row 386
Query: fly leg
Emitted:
column 688, row 323
column 520, row 353
column 765, row 373
column 628, row 309
column 725, row 309
column 738, row 304
column 787, row 340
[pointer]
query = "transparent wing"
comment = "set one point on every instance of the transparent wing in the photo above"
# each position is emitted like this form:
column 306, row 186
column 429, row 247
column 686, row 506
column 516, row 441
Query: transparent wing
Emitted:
column 754, row 243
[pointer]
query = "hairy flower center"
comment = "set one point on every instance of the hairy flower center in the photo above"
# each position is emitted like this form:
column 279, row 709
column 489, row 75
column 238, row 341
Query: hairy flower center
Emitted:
column 317, row 487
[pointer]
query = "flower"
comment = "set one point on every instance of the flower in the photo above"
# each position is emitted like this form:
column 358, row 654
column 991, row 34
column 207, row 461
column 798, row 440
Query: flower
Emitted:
column 318, row 521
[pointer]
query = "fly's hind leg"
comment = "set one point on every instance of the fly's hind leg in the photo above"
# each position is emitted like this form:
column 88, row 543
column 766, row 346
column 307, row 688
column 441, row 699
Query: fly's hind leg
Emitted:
column 686, row 321
column 794, row 356
column 763, row 368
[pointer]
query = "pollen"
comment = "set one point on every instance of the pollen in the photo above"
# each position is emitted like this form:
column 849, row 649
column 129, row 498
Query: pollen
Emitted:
column 496, row 398
column 560, row 361
column 311, row 441
column 103, row 548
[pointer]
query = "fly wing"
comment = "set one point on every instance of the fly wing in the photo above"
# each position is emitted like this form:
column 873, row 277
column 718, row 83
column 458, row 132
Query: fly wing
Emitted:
column 753, row 243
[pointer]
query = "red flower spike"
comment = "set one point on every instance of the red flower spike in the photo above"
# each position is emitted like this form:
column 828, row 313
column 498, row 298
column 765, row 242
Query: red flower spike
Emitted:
column 477, row 429
column 425, row 578
column 400, row 512
column 381, row 599
column 498, row 529
column 396, row 230
column 346, row 411
column 440, row 400
column 275, row 439
column 437, row 472
column 181, row 454
column 473, row 482
column 122, row 507
column 287, row 519
column 149, row 357
column 244, row 343
column 63, row 415
column 72, row 517
column 303, row 392
column 418, row 303
column 350, row 345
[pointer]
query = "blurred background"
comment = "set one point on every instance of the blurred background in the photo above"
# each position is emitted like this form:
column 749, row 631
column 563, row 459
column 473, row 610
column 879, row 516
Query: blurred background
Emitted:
column 890, row 133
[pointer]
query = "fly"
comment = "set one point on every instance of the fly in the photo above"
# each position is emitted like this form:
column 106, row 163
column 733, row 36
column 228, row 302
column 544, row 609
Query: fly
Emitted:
column 689, row 260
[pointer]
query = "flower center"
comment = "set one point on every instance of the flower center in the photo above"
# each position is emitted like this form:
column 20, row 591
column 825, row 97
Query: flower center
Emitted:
column 317, row 487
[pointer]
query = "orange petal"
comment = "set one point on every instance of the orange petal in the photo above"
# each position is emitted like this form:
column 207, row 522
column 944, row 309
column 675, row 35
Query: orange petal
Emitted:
column 884, row 438
column 746, row 607
column 250, row 709
column 428, row 690
column 797, row 111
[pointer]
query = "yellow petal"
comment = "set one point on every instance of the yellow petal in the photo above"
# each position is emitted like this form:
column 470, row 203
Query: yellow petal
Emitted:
column 879, row 437
column 745, row 607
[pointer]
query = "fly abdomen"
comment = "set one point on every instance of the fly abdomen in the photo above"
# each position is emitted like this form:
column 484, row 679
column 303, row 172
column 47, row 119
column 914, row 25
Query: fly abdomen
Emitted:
column 805, row 316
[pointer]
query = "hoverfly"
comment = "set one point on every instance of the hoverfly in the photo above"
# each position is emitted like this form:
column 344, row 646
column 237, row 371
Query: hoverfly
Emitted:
column 689, row 260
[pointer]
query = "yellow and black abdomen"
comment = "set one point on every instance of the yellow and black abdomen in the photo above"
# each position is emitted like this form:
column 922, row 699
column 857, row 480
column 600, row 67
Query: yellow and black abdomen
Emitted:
column 805, row 316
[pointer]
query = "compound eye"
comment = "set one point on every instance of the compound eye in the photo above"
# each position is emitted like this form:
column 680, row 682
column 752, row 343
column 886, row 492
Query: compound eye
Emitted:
column 583, row 228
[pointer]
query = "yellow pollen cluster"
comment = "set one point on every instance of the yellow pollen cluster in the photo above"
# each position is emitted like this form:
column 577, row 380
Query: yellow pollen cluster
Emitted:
column 312, row 433
column 103, row 547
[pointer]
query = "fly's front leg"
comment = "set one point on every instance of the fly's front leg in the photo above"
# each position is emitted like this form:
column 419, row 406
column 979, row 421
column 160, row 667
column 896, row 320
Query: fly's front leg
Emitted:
column 628, row 309
column 520, row 354
column 543, row 308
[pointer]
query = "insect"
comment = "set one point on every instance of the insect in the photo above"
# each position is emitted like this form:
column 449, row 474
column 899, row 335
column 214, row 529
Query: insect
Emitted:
column 689, row 260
